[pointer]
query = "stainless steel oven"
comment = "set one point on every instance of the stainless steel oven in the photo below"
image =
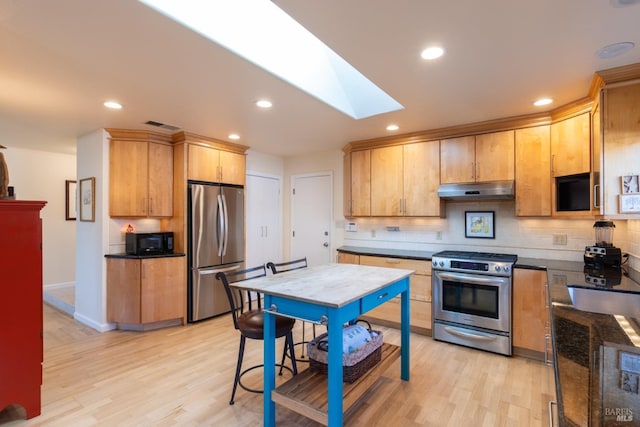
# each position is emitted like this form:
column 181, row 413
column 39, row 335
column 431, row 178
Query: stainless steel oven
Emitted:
column 472, row 299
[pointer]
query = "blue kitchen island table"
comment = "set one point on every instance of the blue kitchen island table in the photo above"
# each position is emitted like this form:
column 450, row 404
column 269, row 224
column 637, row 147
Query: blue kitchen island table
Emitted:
column 331, row 294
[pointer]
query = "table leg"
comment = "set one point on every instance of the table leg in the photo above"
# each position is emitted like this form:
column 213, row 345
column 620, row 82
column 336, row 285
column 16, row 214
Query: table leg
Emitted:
column 405, row 319
column 269, row 365
column 335, row 371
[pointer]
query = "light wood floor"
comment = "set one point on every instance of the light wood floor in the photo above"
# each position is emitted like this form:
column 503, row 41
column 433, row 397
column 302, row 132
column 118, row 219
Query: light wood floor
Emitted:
column 182, row 376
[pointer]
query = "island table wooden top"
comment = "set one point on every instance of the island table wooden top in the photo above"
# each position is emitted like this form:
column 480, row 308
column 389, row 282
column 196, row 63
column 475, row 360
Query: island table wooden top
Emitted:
column 332, row 285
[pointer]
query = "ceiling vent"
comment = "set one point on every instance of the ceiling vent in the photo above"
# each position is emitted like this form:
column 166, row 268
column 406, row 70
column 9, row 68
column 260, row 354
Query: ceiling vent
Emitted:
column 161, row 125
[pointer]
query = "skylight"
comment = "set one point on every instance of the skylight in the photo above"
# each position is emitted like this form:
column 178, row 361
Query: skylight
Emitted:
column 264, row 34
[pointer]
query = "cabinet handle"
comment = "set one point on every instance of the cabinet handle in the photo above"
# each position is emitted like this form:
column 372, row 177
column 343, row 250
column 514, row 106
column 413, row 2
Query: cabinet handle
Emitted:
column 142, row 209
column 596, row 199
column 551, row 404
column 545, row 295
column 473, row 170
column 150, row 205
column 477, row 170
column 547, row 342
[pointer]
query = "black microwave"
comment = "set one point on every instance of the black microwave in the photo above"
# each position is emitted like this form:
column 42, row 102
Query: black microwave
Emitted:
column 573, row 193
column 149, row 243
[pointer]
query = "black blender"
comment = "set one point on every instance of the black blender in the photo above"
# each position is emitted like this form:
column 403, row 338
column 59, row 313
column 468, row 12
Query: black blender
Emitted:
column 603, row 254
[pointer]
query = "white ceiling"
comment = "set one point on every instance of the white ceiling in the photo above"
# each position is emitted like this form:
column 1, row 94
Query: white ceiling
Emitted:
column 59, row 60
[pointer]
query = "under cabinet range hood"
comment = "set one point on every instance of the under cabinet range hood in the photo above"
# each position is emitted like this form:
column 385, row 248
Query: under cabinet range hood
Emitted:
column 478, row 191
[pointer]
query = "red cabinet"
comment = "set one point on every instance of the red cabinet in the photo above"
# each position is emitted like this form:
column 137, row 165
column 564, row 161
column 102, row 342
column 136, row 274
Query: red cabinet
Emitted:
column 21, row 304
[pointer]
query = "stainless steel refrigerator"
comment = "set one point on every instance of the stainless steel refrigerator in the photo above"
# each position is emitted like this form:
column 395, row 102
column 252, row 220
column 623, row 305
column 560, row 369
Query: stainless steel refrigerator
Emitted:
column 216, row 243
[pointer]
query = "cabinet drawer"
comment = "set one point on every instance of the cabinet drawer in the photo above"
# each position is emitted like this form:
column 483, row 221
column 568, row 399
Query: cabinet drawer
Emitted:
column 379, row 297
column 420, row 267
column 420, row 315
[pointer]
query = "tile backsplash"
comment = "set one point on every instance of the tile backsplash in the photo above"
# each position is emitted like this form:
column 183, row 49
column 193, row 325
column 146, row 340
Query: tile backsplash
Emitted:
column 563, row 239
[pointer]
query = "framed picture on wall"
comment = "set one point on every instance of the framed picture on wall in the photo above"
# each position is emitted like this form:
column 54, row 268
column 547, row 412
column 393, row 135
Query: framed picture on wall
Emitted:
column 87, row 199
column 479, row 224
column 630, row 184
column 70, row 198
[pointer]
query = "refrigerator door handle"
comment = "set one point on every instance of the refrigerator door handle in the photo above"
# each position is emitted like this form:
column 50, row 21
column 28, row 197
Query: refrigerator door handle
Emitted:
column 220, row 226
column 225, row 225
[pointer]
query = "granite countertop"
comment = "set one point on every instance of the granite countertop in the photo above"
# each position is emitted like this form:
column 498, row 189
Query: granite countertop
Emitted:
column 128, row 256
column 528, row 263
column 595, row 322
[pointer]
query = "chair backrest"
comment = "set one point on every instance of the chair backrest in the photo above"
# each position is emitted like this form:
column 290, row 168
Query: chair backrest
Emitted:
column 237, row 297
column 287, row 266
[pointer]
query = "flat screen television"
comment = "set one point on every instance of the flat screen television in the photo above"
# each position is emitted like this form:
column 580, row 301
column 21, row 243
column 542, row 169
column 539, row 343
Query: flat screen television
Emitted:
column 573, row 193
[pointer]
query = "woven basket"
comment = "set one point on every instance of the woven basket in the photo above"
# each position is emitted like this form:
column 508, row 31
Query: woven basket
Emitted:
column 354, row 365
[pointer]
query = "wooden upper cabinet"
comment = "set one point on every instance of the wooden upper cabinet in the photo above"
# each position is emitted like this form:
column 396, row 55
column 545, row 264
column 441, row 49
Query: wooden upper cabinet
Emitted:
column 571, row 146
column 421, row 179
column 360, row 183
column 457, row 160
column 160, row 180
column 533, row 171
column 212, row 165
column 480, row 158
column 495, row 156
column 140, row 177
column 386, row 181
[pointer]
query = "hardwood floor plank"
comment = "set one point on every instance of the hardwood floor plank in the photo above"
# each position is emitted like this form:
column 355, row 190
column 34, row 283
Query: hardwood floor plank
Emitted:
column 182, row 376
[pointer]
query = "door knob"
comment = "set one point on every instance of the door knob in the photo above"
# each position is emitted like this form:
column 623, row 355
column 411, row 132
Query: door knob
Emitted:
column 325, row 244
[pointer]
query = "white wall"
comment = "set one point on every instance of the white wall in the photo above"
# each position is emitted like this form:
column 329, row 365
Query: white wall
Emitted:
column 92, row 238
column 41, row 175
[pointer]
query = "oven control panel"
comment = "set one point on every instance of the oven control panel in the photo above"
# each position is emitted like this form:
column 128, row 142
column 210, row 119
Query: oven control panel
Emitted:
column 492, row 267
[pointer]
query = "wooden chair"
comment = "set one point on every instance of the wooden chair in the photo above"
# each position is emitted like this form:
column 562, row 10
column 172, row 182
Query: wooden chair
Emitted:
column 281, row 267
column 248, row 318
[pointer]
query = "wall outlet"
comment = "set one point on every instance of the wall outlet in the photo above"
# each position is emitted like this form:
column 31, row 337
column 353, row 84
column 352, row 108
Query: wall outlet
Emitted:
column 438, row 235
column 560, row 239
column 351, row 226
column 373, row 233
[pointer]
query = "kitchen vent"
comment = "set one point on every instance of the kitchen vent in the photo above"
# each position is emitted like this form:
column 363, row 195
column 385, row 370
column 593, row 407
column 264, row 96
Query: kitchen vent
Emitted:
column 161, row 125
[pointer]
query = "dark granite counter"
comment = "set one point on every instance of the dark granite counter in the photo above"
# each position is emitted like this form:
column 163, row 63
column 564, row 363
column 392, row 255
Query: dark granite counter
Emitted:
column 391, row 253
column 128, row 256
column 595, row 325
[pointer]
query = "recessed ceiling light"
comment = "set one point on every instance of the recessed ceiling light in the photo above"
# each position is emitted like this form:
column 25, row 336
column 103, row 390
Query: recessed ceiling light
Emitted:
column 393, row 127
column 263, row 103
column 542, row 101
column 623, row 3
column 113, row 105
column 432, row 52
column 234, row 136
column 615, row 50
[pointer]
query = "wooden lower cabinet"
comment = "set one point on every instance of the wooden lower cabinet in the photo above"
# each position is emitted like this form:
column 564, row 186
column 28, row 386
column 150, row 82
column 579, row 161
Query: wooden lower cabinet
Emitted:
column 146, row 293
column 388, row 314
column 345, row 258
column 530, row 313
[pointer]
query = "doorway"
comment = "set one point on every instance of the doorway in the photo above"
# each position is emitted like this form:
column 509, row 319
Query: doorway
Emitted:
column 312, row 217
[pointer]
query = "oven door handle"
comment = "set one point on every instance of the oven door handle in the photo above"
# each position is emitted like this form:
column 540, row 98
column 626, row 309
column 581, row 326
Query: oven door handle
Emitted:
column 469, row 335
column 458, row 277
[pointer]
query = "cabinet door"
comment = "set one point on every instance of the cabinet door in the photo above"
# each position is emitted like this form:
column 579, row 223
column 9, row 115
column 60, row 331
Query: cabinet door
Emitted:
column 360, row 200
column 128, row 178
column 123, row 290
column 232, row 168
column 530, row 309
column 495, row 156
column 421, row 165
column 571, row 146
column 533, row 172
column 203, row 163
column 457, row 160
column 162, row 289
column 160, row 180
column 386, row 181
column 621, row 150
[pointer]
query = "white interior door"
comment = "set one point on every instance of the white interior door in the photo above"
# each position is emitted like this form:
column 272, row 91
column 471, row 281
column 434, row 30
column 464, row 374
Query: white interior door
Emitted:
column 311, row 217
column 264, row 219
